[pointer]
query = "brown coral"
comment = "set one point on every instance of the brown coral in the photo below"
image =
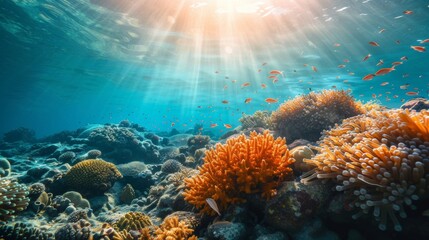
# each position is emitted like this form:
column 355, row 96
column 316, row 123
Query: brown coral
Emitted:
column 132, row 221
column 380, row 160
column 306, row 116
column 13, row 198
column 92, row 176
column 240, row 167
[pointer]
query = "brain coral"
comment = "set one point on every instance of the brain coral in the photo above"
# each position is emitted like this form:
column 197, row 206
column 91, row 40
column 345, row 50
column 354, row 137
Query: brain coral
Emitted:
column 132, row 221
column 380, row 160
column 92, row 176
column 13, row 198
column 307, row 116
column 241, row 166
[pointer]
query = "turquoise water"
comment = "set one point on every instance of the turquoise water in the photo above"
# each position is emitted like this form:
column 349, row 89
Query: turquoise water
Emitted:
column 65, row 64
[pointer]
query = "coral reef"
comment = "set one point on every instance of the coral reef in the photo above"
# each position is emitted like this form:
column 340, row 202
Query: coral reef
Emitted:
column 93, row 154
column 13, row 198
column 77, row 200
column 307, row 116
column 241, row 166
column 417, row 104
column 380, row 160
column 299, row 154
column 127, row 194
column 171, row 166
column 172, row 228
column 197, row 142
column 92, row 176
column 132, row 221
column 67, row 157
column 20, row 134
column 5, row 167
column 20, row 231
column 79, row 230
column 259, row 119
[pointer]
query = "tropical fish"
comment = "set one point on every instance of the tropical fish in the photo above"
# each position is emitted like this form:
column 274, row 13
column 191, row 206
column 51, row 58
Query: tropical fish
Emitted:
column 337, row 44
column 368, row 77
column 408, row 12
column 396, row 63
column 366, row 57
column 225, row 101
column 341, row 66
column 314, row 68
column 172, row 124
column 213, row 125
column 405, row 86
column 346, row 60
column 411, row 93
column 263, row 85
column 212, row 203
column 263, row 64
column 382, row 30
column 404, row 58
column 384, row 83
column 275, row 72
column 271, row 100
column 226, row 125
column 424, row 41
column 398, row 42
column 419, row 48
column 380, row 62
column 384, row 71
column 375, row 44
column 247, row 100
column 246, row 84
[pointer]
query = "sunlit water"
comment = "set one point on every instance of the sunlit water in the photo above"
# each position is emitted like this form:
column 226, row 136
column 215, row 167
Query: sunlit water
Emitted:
column 159, row 63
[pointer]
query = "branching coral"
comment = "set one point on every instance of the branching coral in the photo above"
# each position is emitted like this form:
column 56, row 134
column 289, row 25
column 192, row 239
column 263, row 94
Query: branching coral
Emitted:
column 307, row 116
column 380, row 160
column 13, row 198
column 92, row 176
column 239, row 167
column 173, row 229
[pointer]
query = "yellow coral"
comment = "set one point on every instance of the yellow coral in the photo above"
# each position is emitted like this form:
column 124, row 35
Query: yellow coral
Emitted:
column 132, row 221
column 173, row 229
column 380, row 160
column 13, row 198
column 307, row 116
column 241, row 166
column 94, row 175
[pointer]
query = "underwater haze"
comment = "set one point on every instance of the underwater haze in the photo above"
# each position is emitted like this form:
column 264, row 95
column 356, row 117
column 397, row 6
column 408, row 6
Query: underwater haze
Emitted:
column 171, row 64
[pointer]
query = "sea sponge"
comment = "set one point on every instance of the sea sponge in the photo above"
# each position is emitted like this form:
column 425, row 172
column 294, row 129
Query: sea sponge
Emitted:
column 132, row 221
column 20, row 231
column 13, row 198
column 172, row 228
column 306, row 116
column 92, row 176
column 380, row 160
column 36, row 189
column 241, row 166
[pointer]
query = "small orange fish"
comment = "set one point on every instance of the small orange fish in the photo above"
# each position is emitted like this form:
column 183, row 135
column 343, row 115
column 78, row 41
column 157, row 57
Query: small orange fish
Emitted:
column 424, row 41
column 408, row 12
column 271, row 100
column 366, row 57
column 341, row 66
column 272, row 76
column 412, row 93
column 384, row 71
column 375, row 44
column 247, row 100
column 246, row 84
column 380, row 62
column 226, row 125
column 419, row 48
column 368, row 77
column 396, row 63
column 225, row 101
column 275, row 72
column 314, row 68
column 263, row 85
column 384, row 83
column 213, row 125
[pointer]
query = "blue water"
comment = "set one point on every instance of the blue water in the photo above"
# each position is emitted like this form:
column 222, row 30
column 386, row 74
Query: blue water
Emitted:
column 65, row 64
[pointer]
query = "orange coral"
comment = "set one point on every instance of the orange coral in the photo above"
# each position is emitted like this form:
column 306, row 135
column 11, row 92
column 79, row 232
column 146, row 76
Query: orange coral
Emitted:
column 241, row 166
column 173, row 229
column 307, row 116
column 380, row 160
